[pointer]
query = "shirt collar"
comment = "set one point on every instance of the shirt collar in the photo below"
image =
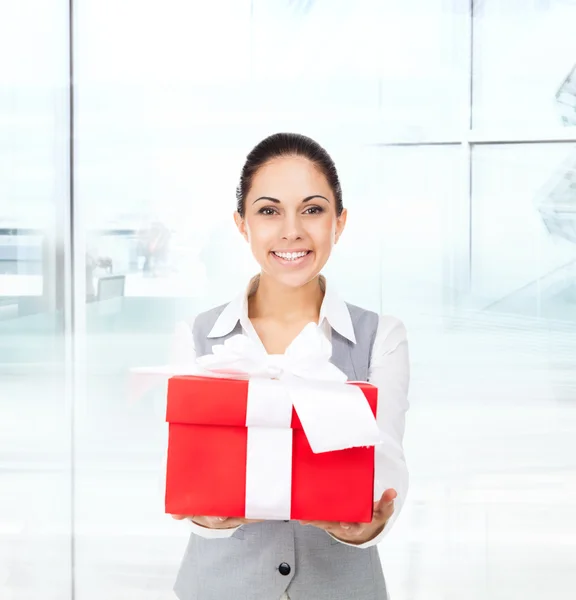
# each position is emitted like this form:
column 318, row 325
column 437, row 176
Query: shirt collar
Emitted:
column 334, row 310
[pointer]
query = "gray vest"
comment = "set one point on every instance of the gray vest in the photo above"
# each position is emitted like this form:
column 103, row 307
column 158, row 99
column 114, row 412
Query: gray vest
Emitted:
column 245, row 566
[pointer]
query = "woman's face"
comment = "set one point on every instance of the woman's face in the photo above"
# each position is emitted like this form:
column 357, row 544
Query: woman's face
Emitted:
column 290, row 220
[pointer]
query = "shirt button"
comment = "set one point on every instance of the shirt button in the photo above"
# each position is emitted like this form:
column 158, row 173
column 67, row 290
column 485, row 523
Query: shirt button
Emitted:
column 284, row 569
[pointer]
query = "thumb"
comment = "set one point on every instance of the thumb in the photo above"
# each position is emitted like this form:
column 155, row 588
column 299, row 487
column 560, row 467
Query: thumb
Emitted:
column 386, row 499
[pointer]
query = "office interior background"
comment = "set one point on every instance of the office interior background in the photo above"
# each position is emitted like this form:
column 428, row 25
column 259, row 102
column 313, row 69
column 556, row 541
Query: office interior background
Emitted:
column 123, row 128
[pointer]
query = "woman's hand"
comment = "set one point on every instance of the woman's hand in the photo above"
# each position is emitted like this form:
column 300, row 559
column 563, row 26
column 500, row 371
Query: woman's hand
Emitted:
column 215, row 522
column 360, row 533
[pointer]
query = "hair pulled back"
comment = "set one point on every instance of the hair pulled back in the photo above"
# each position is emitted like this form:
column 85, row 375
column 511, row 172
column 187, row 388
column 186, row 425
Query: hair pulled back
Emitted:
column 284, row 145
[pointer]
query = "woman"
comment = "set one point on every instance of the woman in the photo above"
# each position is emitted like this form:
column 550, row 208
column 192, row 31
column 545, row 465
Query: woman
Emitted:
column 290, row 211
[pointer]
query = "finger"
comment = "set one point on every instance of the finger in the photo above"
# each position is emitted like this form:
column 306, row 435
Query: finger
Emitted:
column 384, row 509
column 216, row 522
column 353, row 528
column 387, row 497
column 248, row 521
column 382, row 515
column 350, row 530
column 178, row 517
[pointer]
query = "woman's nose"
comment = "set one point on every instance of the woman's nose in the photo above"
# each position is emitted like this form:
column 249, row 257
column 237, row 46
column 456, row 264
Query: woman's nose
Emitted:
column 292, row 228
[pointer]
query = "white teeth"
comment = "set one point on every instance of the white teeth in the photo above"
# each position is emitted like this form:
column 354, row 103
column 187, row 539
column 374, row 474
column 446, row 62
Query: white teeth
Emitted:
column 290, row 255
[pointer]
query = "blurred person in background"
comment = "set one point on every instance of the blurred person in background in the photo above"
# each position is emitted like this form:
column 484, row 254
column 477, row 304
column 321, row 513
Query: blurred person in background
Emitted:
column 154, row 246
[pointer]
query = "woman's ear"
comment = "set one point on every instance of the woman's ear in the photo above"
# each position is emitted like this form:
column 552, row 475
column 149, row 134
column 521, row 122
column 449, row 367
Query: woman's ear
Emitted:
column 241, row 224
column 340, row 224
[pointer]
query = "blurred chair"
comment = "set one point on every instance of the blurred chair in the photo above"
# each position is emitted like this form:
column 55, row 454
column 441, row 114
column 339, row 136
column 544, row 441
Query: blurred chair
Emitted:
column 110, row 294
column 111, row 286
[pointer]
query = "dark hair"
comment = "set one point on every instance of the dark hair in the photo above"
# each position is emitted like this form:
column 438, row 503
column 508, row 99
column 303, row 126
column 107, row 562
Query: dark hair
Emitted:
column 288, row 144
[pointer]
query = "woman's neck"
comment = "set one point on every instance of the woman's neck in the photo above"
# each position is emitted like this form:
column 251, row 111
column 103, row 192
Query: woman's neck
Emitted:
column 278, row 302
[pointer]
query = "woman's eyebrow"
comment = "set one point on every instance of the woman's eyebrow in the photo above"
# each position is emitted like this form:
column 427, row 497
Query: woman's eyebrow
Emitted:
column 267, row 198
column 315, row 196
column 307, row 199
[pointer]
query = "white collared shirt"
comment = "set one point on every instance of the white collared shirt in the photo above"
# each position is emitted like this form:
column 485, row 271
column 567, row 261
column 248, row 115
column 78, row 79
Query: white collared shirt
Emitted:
column 389, row 371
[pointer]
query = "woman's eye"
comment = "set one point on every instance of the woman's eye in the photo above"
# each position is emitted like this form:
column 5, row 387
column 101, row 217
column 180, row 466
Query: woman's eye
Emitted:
column 314, row 210
column 267, row 210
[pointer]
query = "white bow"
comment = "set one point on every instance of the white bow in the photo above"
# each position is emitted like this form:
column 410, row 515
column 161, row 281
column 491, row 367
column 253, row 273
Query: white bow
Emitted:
column 334, row 415
column 308, row 357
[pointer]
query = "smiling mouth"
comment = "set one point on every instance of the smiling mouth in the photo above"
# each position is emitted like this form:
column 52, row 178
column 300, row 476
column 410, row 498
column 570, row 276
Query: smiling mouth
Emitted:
column 291, row 255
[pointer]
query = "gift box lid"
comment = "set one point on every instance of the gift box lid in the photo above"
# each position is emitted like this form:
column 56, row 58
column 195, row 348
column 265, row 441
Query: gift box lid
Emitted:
column 197, row 400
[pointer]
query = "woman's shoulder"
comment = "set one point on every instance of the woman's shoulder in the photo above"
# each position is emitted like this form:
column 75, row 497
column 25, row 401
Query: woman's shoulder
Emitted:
column 206, row 319
column 390, row 335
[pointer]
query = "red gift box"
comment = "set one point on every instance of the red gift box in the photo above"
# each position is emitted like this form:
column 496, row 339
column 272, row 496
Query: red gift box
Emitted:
column 208, row 453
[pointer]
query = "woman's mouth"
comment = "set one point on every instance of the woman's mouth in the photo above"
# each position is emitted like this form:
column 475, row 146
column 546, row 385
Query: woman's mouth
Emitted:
column 292, row 258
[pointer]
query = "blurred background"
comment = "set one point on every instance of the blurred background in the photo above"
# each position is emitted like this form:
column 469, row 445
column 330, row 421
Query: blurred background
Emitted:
column 123, row 128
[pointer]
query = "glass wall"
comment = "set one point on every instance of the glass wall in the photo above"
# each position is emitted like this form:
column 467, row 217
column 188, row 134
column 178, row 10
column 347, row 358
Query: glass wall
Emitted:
column 536, row 224
column 524, row 65
column 124, row 126
column 35, row 375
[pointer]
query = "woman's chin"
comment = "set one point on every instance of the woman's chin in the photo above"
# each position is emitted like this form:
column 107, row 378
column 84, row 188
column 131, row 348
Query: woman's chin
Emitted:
column 292, row 280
